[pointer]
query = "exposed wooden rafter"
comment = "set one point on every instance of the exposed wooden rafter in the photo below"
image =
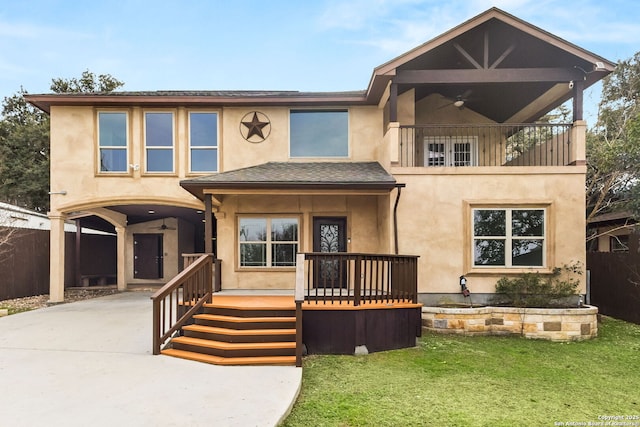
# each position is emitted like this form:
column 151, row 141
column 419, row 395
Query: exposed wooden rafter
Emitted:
column 502, row 57
column 496, row 75
column 467, row 56
column 485, row 63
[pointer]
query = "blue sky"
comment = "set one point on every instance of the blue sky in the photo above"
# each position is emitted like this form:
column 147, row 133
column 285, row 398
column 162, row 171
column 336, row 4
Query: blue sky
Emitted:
column 314, row 45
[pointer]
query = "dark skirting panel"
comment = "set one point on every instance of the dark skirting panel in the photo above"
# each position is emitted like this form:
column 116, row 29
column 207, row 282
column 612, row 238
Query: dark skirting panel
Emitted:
column 341, row 331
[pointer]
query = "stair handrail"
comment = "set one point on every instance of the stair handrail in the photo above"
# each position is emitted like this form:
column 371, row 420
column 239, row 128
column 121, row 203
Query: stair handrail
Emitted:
column 192, row 287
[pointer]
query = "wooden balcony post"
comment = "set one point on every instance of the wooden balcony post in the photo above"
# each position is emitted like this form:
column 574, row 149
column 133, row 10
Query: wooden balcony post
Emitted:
column 357, row 280
column 208, row 225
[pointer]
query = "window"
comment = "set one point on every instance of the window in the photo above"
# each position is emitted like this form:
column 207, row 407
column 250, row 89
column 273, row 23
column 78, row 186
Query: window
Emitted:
column 450, row 151
column 509, row 237
column 316, row 133
column 268, row 242
column 112, row 141
column 619, row 243
column 158, row 132
column 203, row 142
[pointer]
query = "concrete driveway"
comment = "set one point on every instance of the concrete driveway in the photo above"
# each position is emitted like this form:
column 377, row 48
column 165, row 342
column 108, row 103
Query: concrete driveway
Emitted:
column 90, row 363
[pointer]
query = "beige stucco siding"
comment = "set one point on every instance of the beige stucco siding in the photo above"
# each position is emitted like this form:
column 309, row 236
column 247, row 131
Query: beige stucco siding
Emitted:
column 435, row 219
column 365, row 137
column 74, row 166
column 367, row 231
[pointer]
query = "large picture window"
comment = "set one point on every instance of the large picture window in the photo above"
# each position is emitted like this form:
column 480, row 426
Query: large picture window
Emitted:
column 268, row 241
column 316, row 133
column 158, row 133
column 112, row 141
column 511, row 237
column 203, row 142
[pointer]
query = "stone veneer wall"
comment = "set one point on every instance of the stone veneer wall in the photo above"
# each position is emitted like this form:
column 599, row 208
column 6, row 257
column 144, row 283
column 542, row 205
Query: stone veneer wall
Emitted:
column 555, row 324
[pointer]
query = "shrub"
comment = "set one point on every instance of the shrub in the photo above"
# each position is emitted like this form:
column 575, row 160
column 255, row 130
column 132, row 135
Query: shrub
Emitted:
column 540, row 290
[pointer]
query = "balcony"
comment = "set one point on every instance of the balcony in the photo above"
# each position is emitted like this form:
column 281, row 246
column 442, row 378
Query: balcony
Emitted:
column 471, row 145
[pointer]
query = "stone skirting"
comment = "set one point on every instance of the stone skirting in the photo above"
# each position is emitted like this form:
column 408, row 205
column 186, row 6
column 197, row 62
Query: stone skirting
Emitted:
column 555, row 324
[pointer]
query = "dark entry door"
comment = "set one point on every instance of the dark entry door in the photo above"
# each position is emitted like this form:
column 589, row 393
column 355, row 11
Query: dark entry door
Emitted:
column 147, row 256
column 330, row 236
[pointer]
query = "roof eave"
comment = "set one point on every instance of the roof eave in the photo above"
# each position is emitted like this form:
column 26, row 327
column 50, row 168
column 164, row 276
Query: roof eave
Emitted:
column 198, row 188
column 46, row 101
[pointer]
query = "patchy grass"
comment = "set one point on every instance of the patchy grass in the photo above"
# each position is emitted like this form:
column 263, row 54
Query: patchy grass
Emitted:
column 452, row 380
column 14, row 310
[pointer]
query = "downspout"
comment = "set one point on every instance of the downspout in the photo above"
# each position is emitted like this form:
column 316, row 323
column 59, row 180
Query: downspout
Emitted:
column 395, row 216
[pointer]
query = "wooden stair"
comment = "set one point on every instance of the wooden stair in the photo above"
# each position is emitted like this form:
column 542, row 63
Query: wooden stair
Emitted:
column 240, row 330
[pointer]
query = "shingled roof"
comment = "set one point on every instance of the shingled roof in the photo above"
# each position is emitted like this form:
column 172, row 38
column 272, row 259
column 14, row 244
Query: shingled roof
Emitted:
column 297, row 176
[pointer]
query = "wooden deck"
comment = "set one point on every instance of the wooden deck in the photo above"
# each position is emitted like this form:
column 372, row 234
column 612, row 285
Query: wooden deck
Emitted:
column 287, row 302
column 339, row 326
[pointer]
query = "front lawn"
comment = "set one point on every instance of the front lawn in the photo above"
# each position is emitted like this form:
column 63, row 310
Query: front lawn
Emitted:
column 478, row 381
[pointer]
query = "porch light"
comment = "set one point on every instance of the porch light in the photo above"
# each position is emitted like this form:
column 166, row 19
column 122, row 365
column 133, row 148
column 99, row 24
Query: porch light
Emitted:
column 459, row 103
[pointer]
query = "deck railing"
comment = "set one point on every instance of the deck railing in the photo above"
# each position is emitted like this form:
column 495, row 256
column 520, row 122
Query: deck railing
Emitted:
column 529, row 144
column 182, row 297
column 355, row 278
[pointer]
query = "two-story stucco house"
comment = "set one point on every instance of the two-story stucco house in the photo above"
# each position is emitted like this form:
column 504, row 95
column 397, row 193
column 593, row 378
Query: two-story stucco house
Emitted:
column 440, row 157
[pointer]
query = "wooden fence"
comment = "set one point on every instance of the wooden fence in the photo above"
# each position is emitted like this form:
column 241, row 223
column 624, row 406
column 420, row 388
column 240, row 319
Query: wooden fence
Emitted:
column 615, row 282
column 24, row 267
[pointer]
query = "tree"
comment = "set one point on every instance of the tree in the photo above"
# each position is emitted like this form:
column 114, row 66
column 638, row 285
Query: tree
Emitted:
column 24, row 141
column 613, row 146
column 87, row 83
column 24, row 154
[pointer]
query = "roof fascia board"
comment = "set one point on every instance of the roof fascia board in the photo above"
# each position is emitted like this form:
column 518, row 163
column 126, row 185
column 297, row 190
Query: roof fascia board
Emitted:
column 45, row 101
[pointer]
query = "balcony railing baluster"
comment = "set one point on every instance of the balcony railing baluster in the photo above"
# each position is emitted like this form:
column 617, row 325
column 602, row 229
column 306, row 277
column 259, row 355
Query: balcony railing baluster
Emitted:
column 527, row 144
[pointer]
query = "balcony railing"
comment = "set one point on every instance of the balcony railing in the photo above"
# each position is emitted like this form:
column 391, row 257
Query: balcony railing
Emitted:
column 485, row 145
column 356, row 279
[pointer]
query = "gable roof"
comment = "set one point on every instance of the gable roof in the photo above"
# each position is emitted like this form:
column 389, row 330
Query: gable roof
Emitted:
column 479, row 58
column 505, row 69
column 296, row 176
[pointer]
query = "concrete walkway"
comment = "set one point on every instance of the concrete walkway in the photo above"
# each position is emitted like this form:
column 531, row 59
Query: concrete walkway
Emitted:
column 90, row 363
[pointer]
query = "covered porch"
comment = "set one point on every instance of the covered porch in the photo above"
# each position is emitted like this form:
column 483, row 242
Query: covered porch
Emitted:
column 321, row 236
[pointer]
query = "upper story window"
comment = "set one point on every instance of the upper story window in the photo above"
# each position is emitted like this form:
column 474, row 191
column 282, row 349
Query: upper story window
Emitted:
column 112, row 141
column 513, row 237
column 158, row 134
column 319, row 133
column 203, row 142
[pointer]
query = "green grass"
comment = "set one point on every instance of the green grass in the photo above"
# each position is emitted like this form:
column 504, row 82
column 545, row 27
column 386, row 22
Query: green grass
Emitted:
column 476, row 381
column 14, row 310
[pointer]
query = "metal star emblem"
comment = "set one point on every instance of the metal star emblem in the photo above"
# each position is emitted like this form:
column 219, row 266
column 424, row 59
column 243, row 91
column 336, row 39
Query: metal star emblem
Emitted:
column 255, row 128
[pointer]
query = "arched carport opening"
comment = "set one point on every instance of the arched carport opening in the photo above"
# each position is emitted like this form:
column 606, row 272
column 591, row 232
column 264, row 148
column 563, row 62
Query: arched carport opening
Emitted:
column 152, row 238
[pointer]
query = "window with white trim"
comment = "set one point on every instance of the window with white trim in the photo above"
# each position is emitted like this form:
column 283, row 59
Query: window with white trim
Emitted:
column 451, row 151
column 203, row 142
column 158, row 141
column 267, row 242
column 509, row 237
column 113, row 141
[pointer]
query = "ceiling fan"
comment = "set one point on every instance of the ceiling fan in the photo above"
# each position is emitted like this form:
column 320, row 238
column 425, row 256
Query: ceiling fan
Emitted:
column 459, row 101
column 164, row 226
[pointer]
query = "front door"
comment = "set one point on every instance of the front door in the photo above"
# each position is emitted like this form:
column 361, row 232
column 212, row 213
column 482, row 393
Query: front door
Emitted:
column 147, row 256
column 330, row 236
